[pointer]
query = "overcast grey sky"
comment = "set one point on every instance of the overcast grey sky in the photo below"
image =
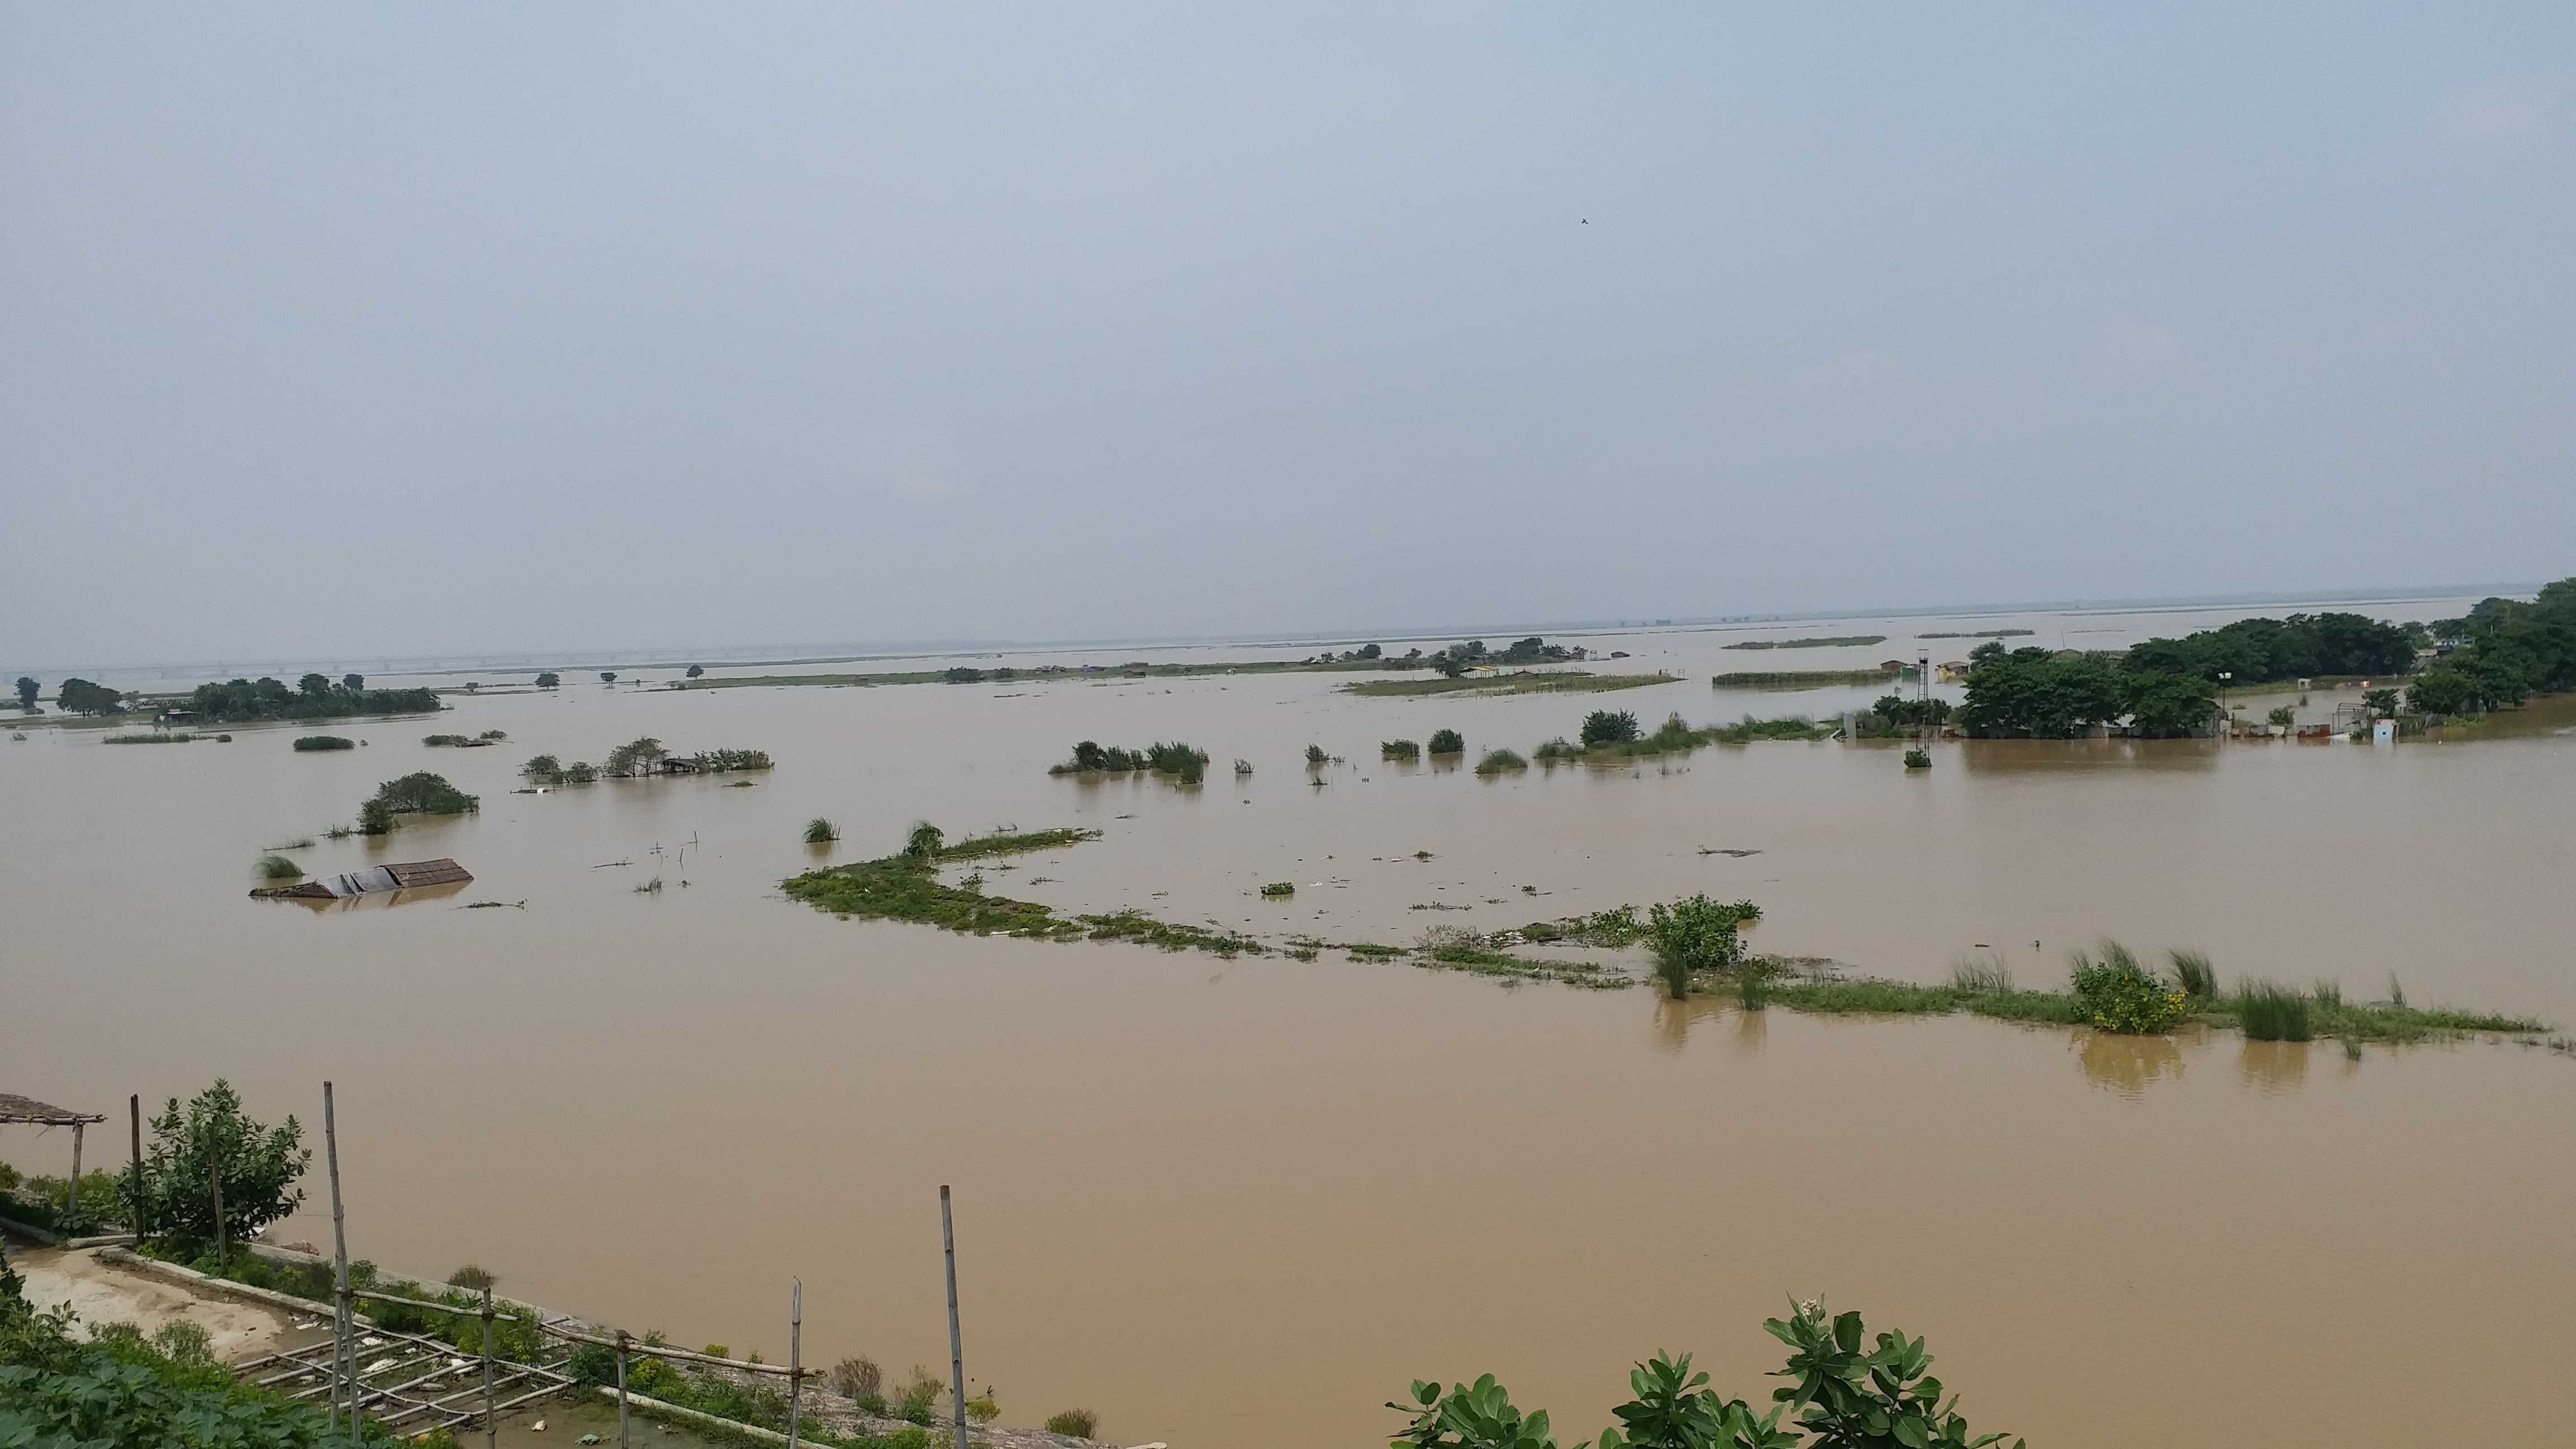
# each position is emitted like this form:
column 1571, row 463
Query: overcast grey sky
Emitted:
column 384, row 328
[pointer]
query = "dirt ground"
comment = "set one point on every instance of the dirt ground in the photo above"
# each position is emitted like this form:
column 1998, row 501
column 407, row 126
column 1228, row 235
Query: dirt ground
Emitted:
column 104, row 1293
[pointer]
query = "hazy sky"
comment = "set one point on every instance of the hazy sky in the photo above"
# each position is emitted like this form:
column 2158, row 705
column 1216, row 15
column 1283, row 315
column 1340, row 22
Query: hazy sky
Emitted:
column 383, row 328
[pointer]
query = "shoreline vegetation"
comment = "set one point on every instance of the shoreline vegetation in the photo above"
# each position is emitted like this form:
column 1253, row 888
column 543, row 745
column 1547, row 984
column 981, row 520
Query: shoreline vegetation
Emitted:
column 1825, row 641
column 1800, row 678
column 1530, row 681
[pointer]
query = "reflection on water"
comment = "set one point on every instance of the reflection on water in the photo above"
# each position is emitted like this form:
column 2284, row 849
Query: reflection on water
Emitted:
column 2126, row 1065
column 2275, row 1068
column 2027, row 757
column 373, row 900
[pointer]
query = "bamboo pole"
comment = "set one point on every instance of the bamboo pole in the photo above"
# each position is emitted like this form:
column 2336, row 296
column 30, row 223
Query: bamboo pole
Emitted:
column 71, row 1204
column 795, row 1359
column 621, row 1389
column 215, row 1184
column 340, row 1352
column 134, row 1116
column 491, row 1426
column 956, row 1345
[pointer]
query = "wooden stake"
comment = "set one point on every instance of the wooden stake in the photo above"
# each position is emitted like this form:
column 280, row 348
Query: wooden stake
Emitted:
column 71, row 1208
column 956, row 1345
column 215, row 1183
column 621, row 1389
column 342, row 1360
column 491, row 1427
column 134, row 1113
column 795, row 1359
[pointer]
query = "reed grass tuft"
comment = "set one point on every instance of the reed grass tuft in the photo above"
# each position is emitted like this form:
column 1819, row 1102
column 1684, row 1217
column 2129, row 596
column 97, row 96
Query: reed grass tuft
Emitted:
column 2271, row 1012
column 2193, row 973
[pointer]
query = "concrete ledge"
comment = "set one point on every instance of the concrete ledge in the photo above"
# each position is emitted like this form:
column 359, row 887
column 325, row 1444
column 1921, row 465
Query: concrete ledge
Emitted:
column 205, row 1283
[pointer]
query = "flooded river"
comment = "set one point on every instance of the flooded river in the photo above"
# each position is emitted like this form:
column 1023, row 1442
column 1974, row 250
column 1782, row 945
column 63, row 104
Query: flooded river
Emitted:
column 1242, row 1203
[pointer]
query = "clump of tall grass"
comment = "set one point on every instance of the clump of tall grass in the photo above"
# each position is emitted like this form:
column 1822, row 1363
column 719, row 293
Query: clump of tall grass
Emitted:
column 1315, row 755
column 472, row 1277
column 1448, row 742
column 1398, row 750
column 819, row 831
column 1753, row 984
column 278, row 867
column 1074, row 1423
column 858, row 1378
column 1498, row 762
column 2271, row 1012
column 1986, row 977
column 2193, row 973
column 1557, row 749
column 2329, row 994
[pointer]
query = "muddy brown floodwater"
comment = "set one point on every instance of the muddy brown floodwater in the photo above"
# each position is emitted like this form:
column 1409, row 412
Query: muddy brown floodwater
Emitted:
column 1242, row 1203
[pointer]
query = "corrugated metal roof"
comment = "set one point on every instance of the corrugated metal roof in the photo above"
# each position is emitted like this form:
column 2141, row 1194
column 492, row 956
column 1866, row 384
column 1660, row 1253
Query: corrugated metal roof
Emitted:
column 427, row 873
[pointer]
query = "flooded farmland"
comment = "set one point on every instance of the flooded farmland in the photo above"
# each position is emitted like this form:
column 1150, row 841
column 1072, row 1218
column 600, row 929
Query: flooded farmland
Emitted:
column 1242, row 1202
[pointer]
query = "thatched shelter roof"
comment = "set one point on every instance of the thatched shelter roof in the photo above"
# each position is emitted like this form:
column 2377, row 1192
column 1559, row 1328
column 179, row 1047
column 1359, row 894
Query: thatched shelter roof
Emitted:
column 27, row 1109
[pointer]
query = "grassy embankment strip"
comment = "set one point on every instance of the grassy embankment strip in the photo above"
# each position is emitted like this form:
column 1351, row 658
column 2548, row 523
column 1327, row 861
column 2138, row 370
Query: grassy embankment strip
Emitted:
column 2328, row 1018
column 1040, row 675
column 1800, row 678
column 1828, row 641
column 1569, row 681
column 907, row 887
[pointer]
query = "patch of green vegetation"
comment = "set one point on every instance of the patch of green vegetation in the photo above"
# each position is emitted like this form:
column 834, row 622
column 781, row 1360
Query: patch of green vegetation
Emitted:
column 1570, row 681
column 1826, row 641
column 1280, row 888
column 181, row 738
column 1448, row 742
column 1674, row 736
column 427, row 794
column 1357, row 662
column 907, row 888
column 308, row 743
column 1398, row 750
column 1185, row 763
column 1895, row 998
column 1015, row 842
column 1800, row 678
column 1499, row 762
column 277, row 867
column 435, row 741
column 1483, row 961
column 1978, row 634
column 1134, row 926
column 1371, row 951
column 819, row 831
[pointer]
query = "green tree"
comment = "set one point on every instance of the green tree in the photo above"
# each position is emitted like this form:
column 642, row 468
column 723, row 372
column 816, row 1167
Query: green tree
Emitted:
column 1368, row 651
column 1448, row 742
column 549, row 680
column 354, row 683
column 2032, row 692
column 314, row 685
column 697, row 671
column 924, row 842
column 608, row 676
column 636, row 757
column 2168, row 706
column 2382, row 703
column 212, row 1140
column 1610, row 727
column 375, row 817
column 2283, row 716
column 82, row 697
column 26, row 694
column 2441, row 691
column 1695, row 935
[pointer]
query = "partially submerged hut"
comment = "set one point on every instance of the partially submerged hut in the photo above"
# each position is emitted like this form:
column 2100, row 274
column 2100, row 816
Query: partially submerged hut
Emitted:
column 373, row 880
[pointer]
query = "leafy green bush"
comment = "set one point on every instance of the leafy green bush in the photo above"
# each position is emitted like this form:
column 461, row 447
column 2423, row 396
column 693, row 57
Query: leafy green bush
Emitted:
column 1498, row 762
column 819, row 831
column 2116, row 994
column 1398, row 750
column 310, row 743
column 1079, row 1423
column 1610, row 727
column 1844, row 1397
column 1448, row 742
column 375, row 817
column 1280, row 888
column 856, row 1379
column 1918, row 759
column 983, row 1408
column 1694, row 935
column 435, row 741
column 277, row 867
column 1315, row 755
column 920, row 1396
column 258, row 1166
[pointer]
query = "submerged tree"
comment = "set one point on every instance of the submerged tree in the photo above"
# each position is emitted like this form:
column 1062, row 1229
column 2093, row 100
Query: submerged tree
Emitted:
column 26, row 694
column 1610, row 727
